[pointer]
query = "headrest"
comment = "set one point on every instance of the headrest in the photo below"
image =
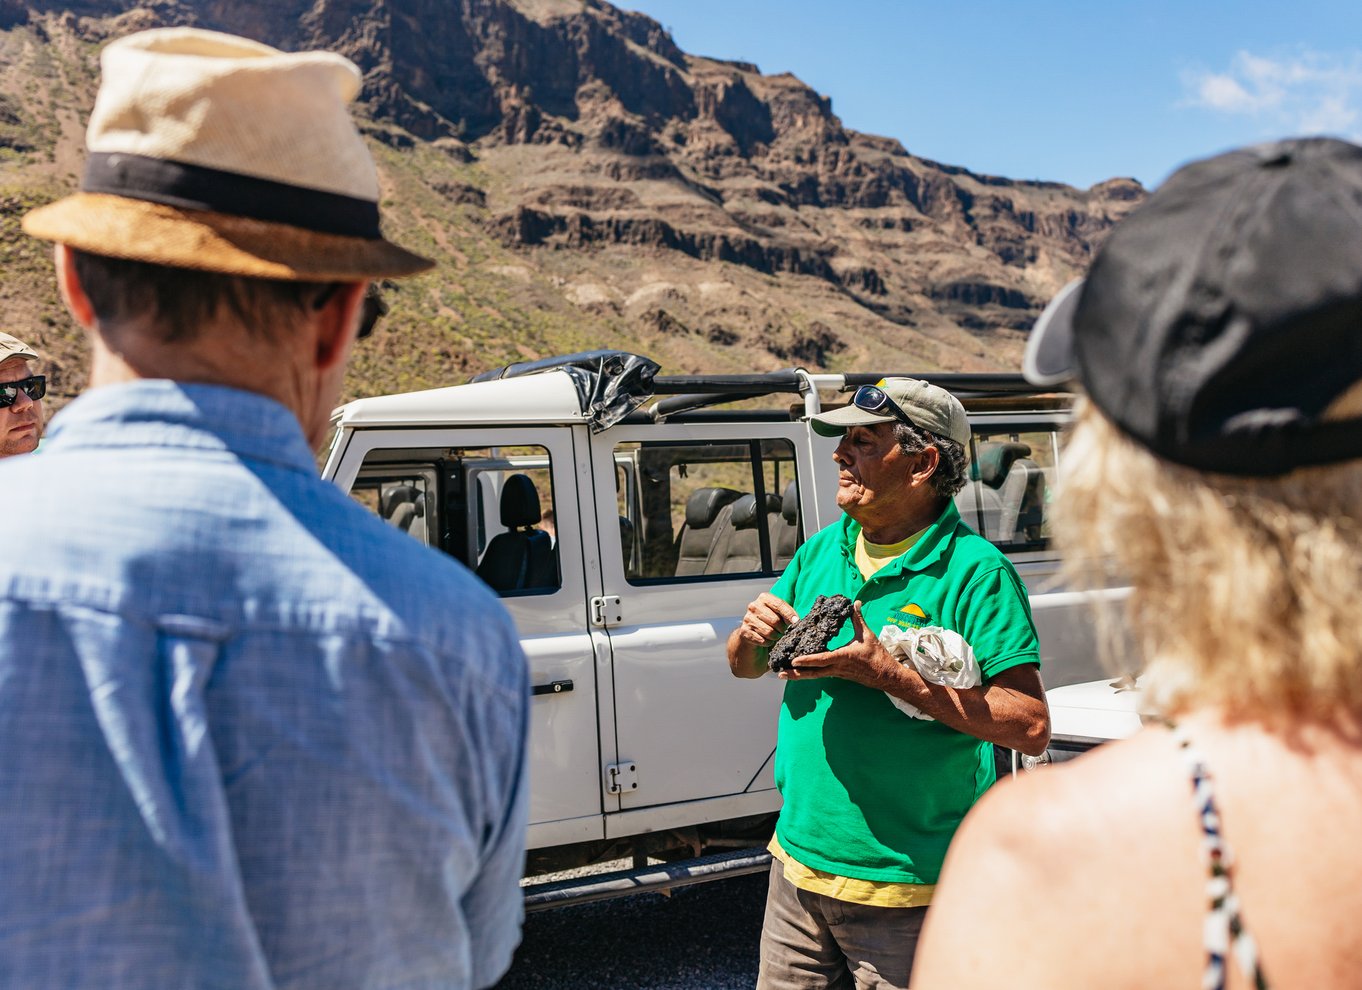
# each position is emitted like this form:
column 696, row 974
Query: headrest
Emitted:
column 789, row 505
column 745, row 510
column 519, row 502
column 994, row 459
column 702, row 508
column 394, row 497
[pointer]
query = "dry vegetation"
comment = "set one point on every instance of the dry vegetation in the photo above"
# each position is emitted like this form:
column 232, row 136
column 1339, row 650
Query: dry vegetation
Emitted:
column 675, row 237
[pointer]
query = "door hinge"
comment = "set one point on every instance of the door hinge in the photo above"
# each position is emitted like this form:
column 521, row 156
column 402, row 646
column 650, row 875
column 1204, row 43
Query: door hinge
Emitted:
column 621, row 777
column 606, row 611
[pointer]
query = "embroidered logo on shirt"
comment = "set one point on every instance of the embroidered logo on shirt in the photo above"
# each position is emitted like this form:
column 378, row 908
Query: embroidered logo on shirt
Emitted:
column 911, row 616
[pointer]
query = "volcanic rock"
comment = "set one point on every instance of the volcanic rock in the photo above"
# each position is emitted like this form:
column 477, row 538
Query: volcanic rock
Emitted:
column 812, row 633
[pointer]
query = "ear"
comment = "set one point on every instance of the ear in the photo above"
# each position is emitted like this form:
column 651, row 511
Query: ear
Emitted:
column 929, row 458
column 337, row 323
column 72, row 292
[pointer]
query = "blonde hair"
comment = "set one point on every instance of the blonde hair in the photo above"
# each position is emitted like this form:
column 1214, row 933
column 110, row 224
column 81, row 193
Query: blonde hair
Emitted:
column 1245, row 591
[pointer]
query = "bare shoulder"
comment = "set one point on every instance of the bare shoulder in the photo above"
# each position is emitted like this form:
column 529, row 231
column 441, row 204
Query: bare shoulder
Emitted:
column 1085, row 802
column 1063, row 842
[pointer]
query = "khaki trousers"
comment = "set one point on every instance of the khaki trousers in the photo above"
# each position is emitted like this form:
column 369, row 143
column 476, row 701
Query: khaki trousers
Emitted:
column 814, row 942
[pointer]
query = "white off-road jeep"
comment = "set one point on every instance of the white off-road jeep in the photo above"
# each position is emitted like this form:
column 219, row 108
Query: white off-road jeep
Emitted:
column 675, row 501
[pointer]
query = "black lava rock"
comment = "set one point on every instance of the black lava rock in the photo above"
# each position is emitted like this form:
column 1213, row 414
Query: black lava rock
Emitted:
column 811, row 633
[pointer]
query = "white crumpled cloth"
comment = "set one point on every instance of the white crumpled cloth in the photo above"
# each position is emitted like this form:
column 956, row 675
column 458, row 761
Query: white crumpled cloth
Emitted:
column 941, row 656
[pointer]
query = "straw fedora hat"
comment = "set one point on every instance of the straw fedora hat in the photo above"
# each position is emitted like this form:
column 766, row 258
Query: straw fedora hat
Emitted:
column 213, row 152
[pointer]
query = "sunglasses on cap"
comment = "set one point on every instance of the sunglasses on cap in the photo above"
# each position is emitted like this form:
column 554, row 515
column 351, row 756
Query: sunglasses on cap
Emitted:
column 35, row 387
column 372, row 308
column 874, row 399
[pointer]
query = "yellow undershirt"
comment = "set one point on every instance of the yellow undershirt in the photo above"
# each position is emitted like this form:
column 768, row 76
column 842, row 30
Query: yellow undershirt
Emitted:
column 870, row 557
column 876, row 893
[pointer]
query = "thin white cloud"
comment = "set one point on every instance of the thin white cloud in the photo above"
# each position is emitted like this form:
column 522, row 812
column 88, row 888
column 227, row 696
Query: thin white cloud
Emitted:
column 1219, row 92
column 1303, row 92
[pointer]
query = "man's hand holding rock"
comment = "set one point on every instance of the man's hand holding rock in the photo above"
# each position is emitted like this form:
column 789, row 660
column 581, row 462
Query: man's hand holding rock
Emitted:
column 765, row 619
column 863, row 660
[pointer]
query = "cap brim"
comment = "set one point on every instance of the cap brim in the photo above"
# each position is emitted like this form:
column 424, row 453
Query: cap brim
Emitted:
column 838, row 421
column 1048, row 359
column 136, row 230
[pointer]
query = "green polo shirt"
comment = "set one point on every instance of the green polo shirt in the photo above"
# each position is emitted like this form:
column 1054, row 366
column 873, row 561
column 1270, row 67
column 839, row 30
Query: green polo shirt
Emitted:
column 869, row 792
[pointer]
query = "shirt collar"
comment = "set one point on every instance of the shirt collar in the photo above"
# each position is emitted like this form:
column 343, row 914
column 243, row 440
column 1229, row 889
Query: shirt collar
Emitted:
column 922, row 554
column 162, row 413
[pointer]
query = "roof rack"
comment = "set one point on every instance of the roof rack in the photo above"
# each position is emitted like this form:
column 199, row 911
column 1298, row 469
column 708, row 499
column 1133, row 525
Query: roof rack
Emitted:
column 793, row 380
column 720, row 389
column 974, row 385
column 766, row 383
column 685, row 393
column 611, row 384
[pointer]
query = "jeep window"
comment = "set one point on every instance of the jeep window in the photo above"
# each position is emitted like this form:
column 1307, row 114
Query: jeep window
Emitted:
column 482, row 505
column 401, row 496
column 708, row 511
column 1011, row 483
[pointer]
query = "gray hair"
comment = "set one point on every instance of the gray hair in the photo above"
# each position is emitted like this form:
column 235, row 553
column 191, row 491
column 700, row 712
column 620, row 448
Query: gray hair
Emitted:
column 949, row 476
column 178, row 302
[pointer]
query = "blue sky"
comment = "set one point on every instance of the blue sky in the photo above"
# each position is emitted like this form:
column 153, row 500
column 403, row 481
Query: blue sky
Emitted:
column 1074, row 92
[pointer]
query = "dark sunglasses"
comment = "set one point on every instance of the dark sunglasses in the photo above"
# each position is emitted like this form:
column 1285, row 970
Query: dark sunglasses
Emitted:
column 35, row 387
column 873, row 399
column 375, row 307
column 371, row 309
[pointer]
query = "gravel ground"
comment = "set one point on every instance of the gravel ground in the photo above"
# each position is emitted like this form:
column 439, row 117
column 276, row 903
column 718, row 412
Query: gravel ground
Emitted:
column 700, row 938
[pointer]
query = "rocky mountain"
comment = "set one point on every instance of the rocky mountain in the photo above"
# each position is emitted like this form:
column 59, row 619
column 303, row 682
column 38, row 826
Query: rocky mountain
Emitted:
column 585, row 183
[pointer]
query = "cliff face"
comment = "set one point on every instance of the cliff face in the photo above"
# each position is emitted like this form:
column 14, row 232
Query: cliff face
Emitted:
column 639, row 194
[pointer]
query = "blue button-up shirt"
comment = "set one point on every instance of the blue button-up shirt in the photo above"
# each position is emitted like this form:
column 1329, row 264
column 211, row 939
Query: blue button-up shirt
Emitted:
column 251, row 736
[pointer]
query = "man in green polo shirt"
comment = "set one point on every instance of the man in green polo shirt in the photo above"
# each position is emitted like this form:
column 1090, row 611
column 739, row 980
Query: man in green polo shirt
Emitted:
column 871, row 795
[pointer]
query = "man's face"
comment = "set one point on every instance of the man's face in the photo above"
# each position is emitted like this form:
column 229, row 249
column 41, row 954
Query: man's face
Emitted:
column 21, row 424
column 874, row 479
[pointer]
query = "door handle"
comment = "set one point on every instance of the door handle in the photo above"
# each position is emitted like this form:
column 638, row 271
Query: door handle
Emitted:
column 552, row 687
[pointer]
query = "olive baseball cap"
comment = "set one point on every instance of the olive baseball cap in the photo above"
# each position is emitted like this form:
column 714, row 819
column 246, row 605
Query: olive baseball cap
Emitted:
column 929, row 406
column 1223, row 316
column 14, row 347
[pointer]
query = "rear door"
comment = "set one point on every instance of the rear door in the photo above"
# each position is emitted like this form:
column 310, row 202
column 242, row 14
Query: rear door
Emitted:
column 703, row 519
column 456, row 479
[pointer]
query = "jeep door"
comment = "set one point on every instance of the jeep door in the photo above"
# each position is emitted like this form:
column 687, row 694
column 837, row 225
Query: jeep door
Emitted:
column 1015, row 460
column 695, row 521
column 478, row 494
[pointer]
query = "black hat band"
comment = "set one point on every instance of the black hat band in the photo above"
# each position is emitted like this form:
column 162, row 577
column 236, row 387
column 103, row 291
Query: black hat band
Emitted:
column 1267, row 449
column 194, row 187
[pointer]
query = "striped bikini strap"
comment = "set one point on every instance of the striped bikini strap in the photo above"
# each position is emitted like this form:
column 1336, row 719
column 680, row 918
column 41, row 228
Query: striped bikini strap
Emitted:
column 1224, row 930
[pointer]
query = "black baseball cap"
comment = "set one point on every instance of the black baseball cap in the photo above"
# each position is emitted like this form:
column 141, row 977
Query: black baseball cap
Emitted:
column 1224, row 315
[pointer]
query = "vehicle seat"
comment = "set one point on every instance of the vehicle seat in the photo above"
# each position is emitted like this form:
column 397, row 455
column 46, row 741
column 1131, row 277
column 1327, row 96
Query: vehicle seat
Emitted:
column 738, row 550
column 521, row 558
column 980, row 502
column 702, row 524
column 405, row 508
column 787, row 529
column 1023, row 496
